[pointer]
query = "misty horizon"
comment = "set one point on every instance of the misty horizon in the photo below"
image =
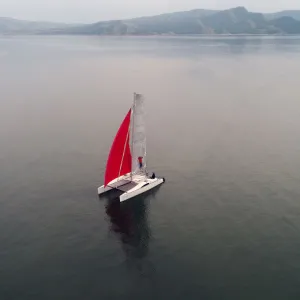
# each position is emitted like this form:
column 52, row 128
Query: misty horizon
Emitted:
column 70, row 12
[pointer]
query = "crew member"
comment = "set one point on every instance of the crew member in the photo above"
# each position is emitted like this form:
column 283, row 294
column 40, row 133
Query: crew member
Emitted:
column 140, row 159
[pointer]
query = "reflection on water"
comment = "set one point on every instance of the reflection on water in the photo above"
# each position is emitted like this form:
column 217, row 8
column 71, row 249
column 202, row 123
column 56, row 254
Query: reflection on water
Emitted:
column 130, row 223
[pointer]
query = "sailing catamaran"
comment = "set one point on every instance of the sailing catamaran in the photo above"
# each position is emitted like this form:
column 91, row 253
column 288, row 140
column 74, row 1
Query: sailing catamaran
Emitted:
column 126, row 168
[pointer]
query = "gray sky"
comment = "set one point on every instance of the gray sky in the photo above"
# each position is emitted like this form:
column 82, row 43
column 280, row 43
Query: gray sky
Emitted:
column 96, row 10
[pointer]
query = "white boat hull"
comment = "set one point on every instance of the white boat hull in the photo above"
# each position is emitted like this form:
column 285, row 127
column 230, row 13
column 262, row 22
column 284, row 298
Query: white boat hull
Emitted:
column 140, row 189
column 131, row 187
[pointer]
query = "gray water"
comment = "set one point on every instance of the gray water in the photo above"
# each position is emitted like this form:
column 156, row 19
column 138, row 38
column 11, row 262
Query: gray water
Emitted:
column 223, row 127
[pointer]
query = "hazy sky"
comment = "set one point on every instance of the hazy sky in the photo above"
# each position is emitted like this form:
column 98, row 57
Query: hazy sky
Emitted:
column 96, row 10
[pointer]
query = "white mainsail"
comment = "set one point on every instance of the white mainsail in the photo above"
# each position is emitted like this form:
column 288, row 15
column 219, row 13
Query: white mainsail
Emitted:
column 138, row 134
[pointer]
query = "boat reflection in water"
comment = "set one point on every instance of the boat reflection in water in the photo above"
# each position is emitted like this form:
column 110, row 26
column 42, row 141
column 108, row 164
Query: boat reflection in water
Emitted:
column 129, row 221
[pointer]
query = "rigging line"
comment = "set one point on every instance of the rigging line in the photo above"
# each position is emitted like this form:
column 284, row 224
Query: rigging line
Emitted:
column 123, row 154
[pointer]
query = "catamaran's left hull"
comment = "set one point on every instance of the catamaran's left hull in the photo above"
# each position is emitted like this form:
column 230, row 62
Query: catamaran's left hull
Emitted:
column 113, row 184
column 102, row 189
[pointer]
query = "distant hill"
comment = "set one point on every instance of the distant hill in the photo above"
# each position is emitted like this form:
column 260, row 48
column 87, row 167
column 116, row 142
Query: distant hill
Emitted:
column 232, row 21
column 295, row 14
column 199, row 21
column 287, row 24
column 235, row 21
column 173, row 23
column 14, row 26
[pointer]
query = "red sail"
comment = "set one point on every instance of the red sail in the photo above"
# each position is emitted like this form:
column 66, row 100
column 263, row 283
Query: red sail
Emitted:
column 119, row 159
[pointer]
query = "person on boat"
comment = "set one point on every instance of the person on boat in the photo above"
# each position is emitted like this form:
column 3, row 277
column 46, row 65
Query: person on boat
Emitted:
column 140, row 159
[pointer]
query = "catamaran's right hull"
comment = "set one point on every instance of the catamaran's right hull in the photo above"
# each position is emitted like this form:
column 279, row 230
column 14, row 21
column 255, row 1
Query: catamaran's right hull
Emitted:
column 141, row 188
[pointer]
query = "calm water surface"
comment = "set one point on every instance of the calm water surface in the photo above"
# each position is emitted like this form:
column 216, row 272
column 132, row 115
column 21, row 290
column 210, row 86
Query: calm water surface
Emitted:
column 223, row 127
